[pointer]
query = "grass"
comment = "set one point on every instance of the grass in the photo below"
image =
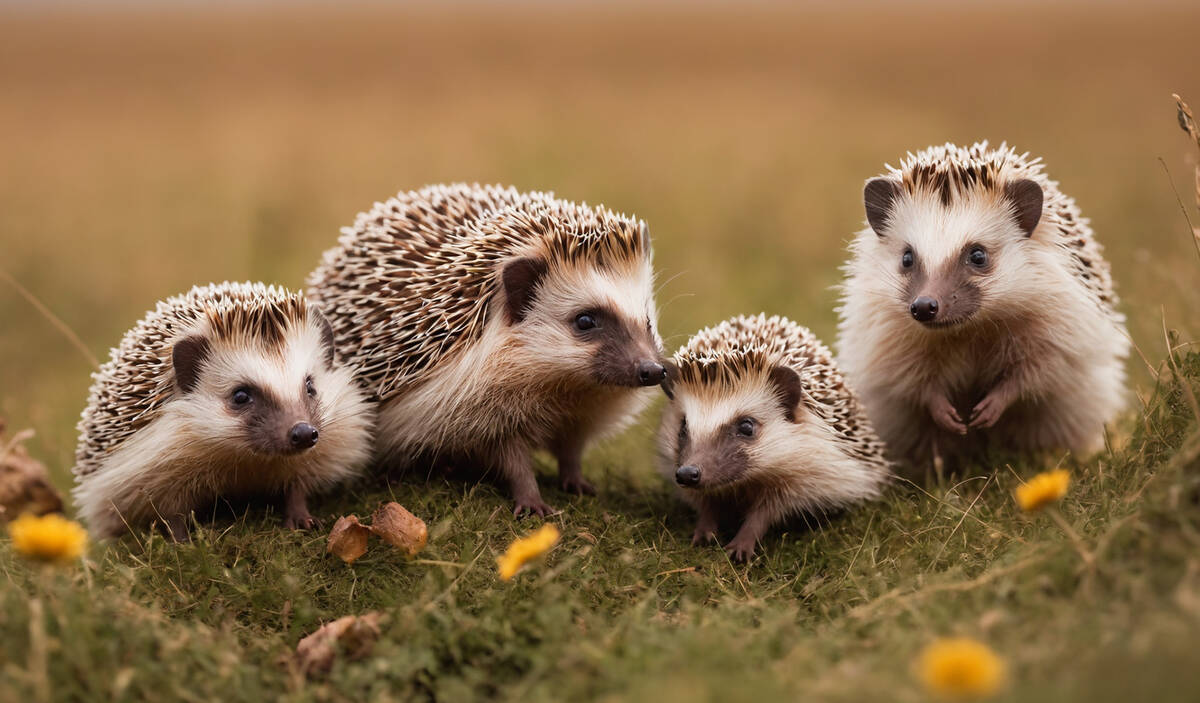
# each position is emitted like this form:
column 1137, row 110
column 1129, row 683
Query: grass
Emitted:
column 146, row 151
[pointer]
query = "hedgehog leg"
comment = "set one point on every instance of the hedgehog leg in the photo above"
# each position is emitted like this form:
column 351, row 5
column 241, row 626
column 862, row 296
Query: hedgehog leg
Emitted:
column 943, row 413
column 706, row 524
column 568, row 450
column 517, row 467
column 295, row 511
column 993, row 405
column 741, row 548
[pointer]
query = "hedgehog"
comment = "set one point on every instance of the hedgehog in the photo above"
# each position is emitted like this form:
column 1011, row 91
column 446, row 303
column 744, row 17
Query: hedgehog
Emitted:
column 228, row 390
column 760, row 427
column 488, row 323
column 978, row 311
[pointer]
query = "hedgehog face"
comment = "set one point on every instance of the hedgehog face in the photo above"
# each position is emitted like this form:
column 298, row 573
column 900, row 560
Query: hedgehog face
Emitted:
column 584, row 323
column 953, row 259
column 250, row 395
column 718, row 436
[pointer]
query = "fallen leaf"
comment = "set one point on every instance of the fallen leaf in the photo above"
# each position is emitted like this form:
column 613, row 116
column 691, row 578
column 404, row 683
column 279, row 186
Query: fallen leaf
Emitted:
column 399, row 528
column 348, row 539
column 355, row 634
column 24, row 482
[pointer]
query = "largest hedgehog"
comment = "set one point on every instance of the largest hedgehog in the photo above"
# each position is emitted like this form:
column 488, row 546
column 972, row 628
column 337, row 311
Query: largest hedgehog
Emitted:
column 978, row 310
column 488, row 323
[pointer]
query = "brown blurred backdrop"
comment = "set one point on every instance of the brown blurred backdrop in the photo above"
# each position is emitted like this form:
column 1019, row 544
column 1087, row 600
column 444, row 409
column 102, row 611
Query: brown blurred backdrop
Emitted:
column 146, row 150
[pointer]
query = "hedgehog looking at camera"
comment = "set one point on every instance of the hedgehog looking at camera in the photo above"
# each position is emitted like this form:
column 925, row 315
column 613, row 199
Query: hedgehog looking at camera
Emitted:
column 228, row 390
column 761, row 427
column 488, row 323
column 978, row 310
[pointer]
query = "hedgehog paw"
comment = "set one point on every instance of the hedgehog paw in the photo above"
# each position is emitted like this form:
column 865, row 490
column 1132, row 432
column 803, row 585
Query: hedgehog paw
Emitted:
column 578, row 485
column 702, row 536
column 946, row 416
column 531, row 506
column 301, row 522
column 740, row 550
column 989, row 410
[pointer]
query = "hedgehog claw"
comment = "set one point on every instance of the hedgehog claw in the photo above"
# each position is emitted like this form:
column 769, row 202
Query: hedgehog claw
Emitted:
column 301, row 522
column 944, row 414
column 525, row 508
column 702, row 536
column 740, row 551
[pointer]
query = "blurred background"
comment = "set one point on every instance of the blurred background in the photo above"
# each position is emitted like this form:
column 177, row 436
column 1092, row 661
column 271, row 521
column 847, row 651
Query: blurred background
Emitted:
column 148, row 148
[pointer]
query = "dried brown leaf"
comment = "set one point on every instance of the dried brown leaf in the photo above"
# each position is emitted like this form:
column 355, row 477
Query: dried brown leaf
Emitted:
column 354, row 634
column 399, row 528
column 24, row 482
column 348, row 539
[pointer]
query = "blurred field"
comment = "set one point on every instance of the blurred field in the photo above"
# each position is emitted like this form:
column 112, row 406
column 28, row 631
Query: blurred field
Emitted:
column 145, row 151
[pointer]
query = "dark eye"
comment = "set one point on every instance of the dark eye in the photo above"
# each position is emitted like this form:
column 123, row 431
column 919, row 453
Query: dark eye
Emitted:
column 309, row 388
column 584, row 322
column 977, row 257
column 907, row 259
column 746, row 427
column 241, row 396
column 683, row 432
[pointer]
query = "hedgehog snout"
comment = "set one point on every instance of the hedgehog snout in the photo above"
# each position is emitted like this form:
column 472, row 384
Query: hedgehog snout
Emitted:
column 651, row 373
column 924, row 309
column 302, row 436
column 687, row 475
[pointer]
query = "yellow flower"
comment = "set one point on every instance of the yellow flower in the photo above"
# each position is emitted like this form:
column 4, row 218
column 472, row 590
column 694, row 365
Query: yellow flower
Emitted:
column 1043, row 489
column 48, row 538
column 525, row 549
column 960, row 668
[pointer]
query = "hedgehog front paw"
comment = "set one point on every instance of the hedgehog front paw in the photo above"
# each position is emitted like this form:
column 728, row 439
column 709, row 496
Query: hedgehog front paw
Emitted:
column 702, row 535
column 740, row 550
column 302, row 521
column 531, row 506
column 989, row 410
column 578, row 485
column 946, row 416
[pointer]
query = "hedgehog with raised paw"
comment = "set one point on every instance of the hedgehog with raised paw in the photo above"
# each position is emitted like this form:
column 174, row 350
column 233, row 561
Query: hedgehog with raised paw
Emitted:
column 228, row 390
column 488, row 323
column 761, row 427
column 978, row 310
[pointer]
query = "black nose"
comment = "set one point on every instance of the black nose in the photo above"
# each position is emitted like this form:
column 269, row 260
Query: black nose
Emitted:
column 924, row 309
column 687, row 475
column 651, row 373
column 303, row 435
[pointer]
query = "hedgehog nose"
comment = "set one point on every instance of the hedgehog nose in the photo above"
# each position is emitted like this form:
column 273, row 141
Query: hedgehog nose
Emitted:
column 303, row 435
column 687, row 475
column 651, row 373
column 924, row 309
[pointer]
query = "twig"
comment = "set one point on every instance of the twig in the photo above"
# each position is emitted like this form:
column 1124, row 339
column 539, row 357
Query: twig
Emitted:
column 52, row 318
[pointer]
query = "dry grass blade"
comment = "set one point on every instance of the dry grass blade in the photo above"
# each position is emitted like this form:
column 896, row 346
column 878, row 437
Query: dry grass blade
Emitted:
column 51, row 317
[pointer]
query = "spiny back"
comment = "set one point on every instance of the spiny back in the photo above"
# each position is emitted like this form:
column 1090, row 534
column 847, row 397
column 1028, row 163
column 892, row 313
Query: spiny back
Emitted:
column 130, row 389
column 717, row 357
column 951, row 172
column 411, row 282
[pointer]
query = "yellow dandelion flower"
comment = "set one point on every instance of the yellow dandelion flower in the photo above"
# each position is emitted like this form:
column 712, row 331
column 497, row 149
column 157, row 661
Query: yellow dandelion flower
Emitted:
column 525, row 549
column 48, row 538
column 960, row 668
column 1043, row 489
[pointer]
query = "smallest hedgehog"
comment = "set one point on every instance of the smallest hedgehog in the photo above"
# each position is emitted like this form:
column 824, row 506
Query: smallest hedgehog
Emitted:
column 228, row 390
column 762, row 427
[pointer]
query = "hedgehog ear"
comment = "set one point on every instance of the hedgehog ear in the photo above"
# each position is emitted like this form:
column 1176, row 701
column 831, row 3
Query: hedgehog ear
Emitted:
column 326, row 334
column 878, row 196
column 787, row 387
column 521, row 279
column 187, row 356
column 669, row 379
column 1026, row 198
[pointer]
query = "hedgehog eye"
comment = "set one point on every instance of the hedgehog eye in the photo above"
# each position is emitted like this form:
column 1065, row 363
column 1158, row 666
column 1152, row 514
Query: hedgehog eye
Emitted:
column 977, row 257
column 309, row 388
column 683, row 432
column 241, row 396
column 746, row 427
column 907, row 259
column 584, row 322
